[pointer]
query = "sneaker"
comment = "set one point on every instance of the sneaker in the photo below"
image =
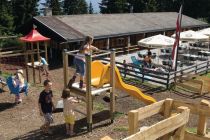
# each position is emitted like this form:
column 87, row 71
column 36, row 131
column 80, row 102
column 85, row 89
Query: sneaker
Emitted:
column 71, row 82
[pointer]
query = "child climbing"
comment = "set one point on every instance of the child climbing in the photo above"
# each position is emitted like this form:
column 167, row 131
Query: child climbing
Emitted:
column 44, row 65
column 69, row 115
column 46, row 106
column 18, row 80
column 80, row 61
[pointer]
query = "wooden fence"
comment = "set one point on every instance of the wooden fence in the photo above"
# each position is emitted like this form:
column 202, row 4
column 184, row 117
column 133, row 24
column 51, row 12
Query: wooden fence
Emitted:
column 176, row 115
column 157, row 77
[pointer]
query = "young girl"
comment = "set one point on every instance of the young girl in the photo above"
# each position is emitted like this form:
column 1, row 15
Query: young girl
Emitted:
column 45, row 65
column 69, row 115
column 19, row 81
column 80, row 61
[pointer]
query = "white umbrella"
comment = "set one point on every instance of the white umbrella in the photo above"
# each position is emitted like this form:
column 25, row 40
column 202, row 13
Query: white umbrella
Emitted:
column 192, row 36
column 157, row 41
column 205, row 31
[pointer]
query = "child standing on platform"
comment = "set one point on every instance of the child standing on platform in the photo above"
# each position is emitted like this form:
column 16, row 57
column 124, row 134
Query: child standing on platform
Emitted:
column 80, row 61
column 69, row 115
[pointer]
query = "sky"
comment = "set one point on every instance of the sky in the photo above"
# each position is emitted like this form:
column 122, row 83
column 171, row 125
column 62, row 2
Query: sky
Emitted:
column 94, row 2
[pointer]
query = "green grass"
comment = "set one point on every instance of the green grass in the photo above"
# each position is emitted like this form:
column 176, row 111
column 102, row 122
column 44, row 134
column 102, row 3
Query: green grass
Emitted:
column 5, row 74
column 194, row 129
column 118, row 114
column 208, row 75
column 121, row 128
column 98, row 106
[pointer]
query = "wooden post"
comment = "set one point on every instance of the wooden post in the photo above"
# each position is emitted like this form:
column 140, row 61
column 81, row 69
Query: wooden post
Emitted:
column 207, row 67
column 38, row 53
column 65, row 68
column 32, row 63
column 179, row 134
column 88, row 92
column 202, row 122
column 46, row 57
column 107, row 44
column 26, row 62
column 167, row 113
column 129, row 43
column 168, row 79
column 133, row 122
column 112, row 83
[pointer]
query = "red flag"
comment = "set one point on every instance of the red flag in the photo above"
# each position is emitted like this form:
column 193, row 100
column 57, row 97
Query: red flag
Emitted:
column 177, row 37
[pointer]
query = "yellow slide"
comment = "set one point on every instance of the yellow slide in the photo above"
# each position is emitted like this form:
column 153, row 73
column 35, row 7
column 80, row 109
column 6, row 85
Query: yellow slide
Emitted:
column 100, row 75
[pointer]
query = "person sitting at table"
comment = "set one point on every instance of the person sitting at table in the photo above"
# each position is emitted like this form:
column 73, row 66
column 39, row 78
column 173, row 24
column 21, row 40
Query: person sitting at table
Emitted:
column 147, row 61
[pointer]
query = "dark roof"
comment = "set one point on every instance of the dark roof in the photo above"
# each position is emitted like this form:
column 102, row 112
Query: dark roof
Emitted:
column 75, row 27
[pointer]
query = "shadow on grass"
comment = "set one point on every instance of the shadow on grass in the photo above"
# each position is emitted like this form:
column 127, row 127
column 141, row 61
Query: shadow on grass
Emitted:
column 99, row 120
column 5, row 106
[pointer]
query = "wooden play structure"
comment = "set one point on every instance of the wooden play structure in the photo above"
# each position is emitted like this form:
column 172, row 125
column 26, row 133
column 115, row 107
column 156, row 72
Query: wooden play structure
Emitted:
column 21, row 55
column 34, row 37
column 89, row 92
column 176, row 114
column 194, row 83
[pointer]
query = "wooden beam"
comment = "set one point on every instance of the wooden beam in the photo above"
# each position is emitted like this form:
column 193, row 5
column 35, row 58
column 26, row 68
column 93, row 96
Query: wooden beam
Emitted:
column 112, row 83
column 202, row 122
column 194, row 108
column 150, row 110
column 163, row 127
column 193, row 136
column 45, row 45
column 32, row 62
column 133, row 122
column 89, row 102
column 65, row 68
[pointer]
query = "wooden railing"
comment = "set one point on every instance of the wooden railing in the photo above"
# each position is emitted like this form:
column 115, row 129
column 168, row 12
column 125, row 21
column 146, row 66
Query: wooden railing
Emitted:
column 174, row 121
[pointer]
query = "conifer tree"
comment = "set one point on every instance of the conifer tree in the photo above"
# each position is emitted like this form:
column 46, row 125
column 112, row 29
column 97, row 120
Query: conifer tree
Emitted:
column 73, row 7
column 90, row 8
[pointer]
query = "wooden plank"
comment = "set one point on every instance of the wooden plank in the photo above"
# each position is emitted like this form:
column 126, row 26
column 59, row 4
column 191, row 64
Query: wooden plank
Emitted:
column 65, row 68
column 167, row 113
column 162, row 127
column 133, row 121
column 192, row 136
column 202, row 122
column 150, row 110
column 106, row 138
column 112, row 83
column 189, row 87
column 194, row 108
column 89, row 102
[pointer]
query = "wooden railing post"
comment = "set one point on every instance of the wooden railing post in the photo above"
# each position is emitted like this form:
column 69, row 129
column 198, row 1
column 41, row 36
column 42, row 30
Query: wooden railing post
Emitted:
column 207, row 67
column 168, row 79
column 65, row 68
column 167, row 113
column 112, row 83
column 133, row 122
column 202, row 122
column 196, row 67
column 180, row 132
column 89, row 103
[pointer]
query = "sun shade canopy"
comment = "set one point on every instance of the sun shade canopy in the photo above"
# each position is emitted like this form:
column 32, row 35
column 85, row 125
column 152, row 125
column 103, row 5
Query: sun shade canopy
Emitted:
column 34, row 36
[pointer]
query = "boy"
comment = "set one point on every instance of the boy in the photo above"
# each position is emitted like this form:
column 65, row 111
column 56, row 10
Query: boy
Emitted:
column 46, row 106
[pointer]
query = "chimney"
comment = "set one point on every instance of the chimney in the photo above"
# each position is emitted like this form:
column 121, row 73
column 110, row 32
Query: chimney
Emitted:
column 47, row 11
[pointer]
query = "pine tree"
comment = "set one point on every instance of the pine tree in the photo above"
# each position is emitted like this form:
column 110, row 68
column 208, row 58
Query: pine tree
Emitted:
column 73, row 7
column 6, row 18
column 90, row 8
column 151, row 6
column 23, row 12
column 138, row 6
column 114, row 6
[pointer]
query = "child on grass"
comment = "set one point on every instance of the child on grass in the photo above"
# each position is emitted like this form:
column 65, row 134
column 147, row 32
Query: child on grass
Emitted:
column 69, row 115
column 80, row 61
column 46, row 106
